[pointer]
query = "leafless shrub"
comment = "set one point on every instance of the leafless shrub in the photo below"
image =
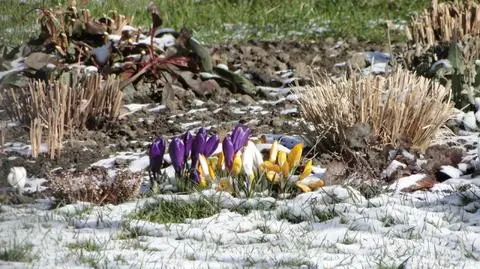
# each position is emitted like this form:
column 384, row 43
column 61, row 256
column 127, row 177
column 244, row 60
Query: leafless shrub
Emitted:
column 96, row 186
column 397, row 109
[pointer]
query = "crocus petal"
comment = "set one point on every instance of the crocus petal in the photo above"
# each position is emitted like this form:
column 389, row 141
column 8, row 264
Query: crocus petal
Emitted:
column 273, row 176
column 303, row 187
column 317, row 184
column 269, row 166
column 247, row 160
column 228, row 152
column 285, row 169
column 177, row 152
column 220, row 162
column 203, row 165
column 295, row 155
column 258, row 157
column 195, row 176
column 273, row 151
column 211, row 171
column 307, row 170
column 187, row 141
column 282, row 158
column 198, row 145
column 240, row 135
column 237, row 164
column 211, row 145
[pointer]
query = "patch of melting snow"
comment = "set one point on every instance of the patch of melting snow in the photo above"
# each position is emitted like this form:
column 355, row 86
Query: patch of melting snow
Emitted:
column 157, row 108
column 332, row 227
column 188, row 125
column 23, row 149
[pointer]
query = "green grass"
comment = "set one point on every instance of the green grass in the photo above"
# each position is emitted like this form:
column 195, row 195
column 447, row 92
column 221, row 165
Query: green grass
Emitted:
column 176, row 211
column 88, row 245
column 220, row 21
column 16, row 253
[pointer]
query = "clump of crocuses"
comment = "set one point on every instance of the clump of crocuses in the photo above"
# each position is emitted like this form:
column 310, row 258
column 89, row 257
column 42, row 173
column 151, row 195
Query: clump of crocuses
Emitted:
column 237, row 166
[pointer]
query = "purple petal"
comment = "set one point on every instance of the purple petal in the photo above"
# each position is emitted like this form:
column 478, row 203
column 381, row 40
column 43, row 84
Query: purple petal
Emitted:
column 228, row 151
column 177, row 152
column 240, row 135
column 187, row 141
column 198, row 145
column 156, row 152
column 211, row 145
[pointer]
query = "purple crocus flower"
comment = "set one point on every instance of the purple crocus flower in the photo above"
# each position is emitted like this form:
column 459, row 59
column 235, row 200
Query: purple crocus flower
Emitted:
column 228, row 151
column 240, row 135
column 187, row 141
column 177, row 154
column 198, row 146
column 156, row 152
column 211, row 145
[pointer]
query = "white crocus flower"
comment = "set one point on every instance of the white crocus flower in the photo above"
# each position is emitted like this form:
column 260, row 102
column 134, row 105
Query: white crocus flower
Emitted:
column 248, row 160
column 204, row 165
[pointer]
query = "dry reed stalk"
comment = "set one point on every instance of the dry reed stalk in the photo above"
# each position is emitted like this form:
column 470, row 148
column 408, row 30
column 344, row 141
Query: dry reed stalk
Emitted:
column 62, row 107
column 445, row 22
column 36, row 136
column 398, row 105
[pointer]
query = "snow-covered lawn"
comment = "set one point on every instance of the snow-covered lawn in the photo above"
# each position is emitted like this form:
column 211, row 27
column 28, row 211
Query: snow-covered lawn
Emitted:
column 335, row 227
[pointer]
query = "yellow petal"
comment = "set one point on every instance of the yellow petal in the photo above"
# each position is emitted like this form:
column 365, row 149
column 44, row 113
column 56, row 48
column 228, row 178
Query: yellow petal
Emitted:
column 269, row 166
column 211, row 171
column 220, row 161
column 317, row 184
column 237, row 164
column 295, row 155
column 285, row 169
column 307, row 170
column 282, row 158
column 303, row 187
column 273, row 176
column 273, row 152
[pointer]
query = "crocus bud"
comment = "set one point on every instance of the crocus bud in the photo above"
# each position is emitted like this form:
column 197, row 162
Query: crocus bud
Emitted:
column 228, row 152
column 187, row 141
column 177, row 153
column 156, row 152
column 211, row 145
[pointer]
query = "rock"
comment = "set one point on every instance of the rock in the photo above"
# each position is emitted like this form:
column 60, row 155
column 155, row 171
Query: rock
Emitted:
column 246, row 100
column 392, row 168
column 357, row 60
column 447, row 172
column 469, row 121
column 121, row 161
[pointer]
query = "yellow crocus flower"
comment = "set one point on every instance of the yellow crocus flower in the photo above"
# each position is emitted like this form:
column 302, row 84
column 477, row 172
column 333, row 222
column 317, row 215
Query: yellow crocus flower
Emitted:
column 303, row 187
column 295, row 155
column 237, row 164
column 270, row 166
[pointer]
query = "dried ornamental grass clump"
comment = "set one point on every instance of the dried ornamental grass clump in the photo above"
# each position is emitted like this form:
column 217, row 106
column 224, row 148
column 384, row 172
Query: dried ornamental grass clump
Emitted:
column 445, row 22
column 96, row 186
column 392, row 109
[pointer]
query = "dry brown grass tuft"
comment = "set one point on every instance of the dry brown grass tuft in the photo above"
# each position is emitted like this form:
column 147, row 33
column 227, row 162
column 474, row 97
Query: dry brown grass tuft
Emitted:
column 62, row 106
column 393, row 109
column 444, row 22
column 96, row 186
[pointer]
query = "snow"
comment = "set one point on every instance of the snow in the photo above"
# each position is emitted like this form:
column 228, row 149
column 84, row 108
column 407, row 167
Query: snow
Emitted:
column 334, row 227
